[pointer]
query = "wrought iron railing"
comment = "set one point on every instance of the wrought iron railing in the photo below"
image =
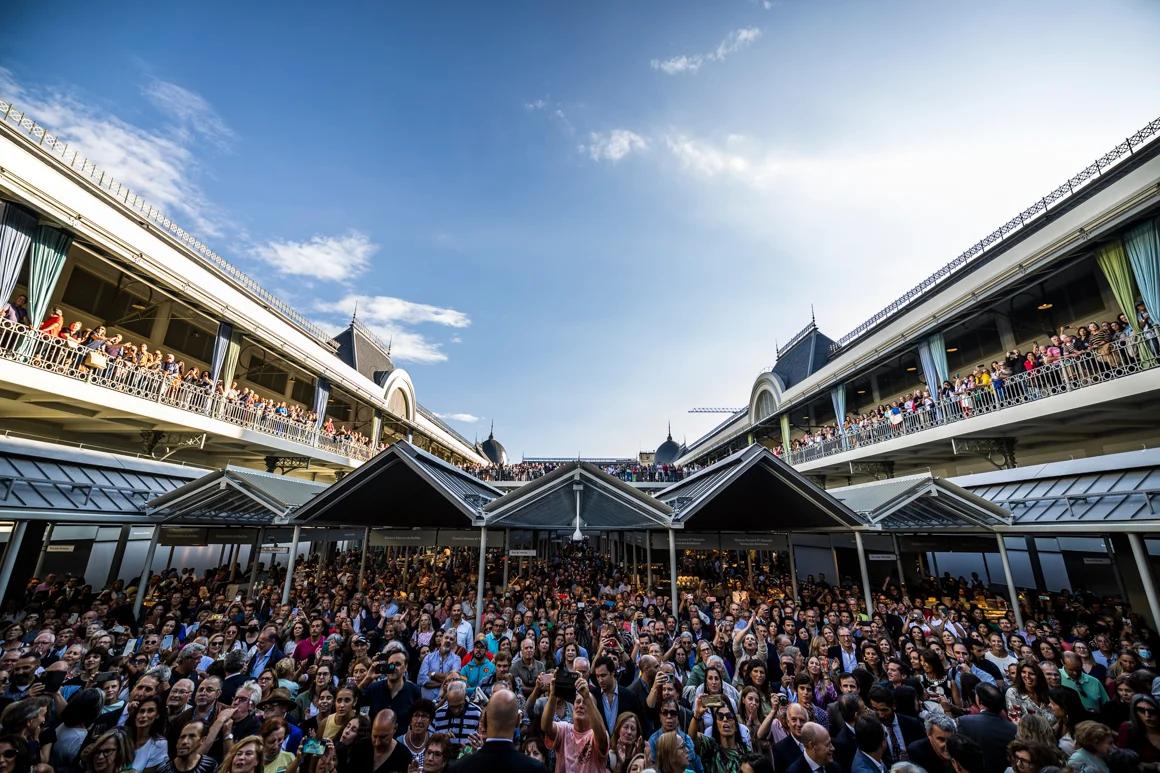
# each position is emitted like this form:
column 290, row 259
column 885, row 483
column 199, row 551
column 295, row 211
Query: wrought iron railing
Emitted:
column 1120, row 358
column 1062, row 193
column 72, row 158
column 29, row 347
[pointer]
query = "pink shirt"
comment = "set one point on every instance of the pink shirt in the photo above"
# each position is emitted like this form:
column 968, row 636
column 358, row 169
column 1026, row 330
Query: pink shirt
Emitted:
column 575, row 751
column 305, row 648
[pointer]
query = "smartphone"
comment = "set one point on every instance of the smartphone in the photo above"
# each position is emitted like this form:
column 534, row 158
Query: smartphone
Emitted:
column 52, row 680
column 312, row 746
column 365, row 711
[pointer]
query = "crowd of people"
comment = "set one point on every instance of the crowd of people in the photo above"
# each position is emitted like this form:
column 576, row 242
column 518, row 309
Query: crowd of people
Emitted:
column 632, row 472
column 1068, row 358
column 577, row 665
column 109, row 359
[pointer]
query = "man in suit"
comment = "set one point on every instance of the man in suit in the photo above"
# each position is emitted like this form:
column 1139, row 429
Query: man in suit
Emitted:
column 266, row 652
column 871, row 740
column 931, row 752
column 849, row 708
column 499, row 752
column 989, row 728
column 611, row 698
column 642, row 685
column 844, row 655
column 818, row 751
column 901, row 730
column 788, row 751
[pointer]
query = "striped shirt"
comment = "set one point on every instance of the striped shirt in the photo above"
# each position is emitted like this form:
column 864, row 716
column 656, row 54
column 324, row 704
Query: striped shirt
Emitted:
column 460, row 727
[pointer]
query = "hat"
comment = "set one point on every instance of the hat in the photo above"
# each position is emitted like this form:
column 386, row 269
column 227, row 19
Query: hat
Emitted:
column 359, row 639
column 278, row 695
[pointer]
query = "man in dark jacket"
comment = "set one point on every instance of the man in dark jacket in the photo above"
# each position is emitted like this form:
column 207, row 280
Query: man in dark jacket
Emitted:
column 499, row 751
column 931, row 752
column 989, row 728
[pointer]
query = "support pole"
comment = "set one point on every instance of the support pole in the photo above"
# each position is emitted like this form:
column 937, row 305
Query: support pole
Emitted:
column 749, row 565
column 143, row 584
column 1010, row 582
column 119, row 556
column 235, row 553
column 290, row 562
column 507, row 547
column 15, row 538
column 1141, row 556
column 362, row 566
column 648, row 561
column 898, row 559
column 43, row 553
column 479, row 580
column 673, row 570
column 256, row 554
column 865, row 575
column 792, row 568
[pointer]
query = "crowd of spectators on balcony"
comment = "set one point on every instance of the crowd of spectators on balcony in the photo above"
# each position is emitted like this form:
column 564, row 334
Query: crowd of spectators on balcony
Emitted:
column 578, row 665
column 1067, row 359
column 631, row 472
column 94, row 354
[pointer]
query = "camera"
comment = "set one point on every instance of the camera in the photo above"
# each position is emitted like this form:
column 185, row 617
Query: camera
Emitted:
column 564, row 683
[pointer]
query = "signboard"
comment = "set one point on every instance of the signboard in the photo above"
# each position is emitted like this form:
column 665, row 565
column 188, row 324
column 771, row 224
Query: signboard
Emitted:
column 746, row 541
column 230, row 536
column 882, row 557
column 60, row 548
column 276, row 549
column 522, row 553
column 1096, row 561
column 182, row 535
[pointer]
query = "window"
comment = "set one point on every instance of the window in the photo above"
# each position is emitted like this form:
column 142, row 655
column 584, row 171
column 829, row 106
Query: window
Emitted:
column 973, row 347
column 766, row 404
column 267, row 374
column 339, row 410
column 302, row 390
column 104, row 300
column 189, row 339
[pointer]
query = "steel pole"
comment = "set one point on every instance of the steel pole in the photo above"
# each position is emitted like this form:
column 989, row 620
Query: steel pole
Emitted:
column 479, row 580
column 648, row 561
column 1145, row 570
column 291, row 561
column 362, row 566
column 865, row 575
column 673, row 569
column 1010, row 582
column 507, row 546
column 143, row 583
column 792, row 568
column 256, row 550
column 43, row 553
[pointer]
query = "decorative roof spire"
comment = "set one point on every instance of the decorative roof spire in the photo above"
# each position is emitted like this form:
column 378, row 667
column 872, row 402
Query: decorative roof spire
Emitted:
column 670, row 429
column 491, row 433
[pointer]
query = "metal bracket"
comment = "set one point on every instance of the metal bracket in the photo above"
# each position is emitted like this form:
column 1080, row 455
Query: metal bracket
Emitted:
column 162, row 445
column 285, row 464
column 818, row 479
column 988, row 448
column 883, row 469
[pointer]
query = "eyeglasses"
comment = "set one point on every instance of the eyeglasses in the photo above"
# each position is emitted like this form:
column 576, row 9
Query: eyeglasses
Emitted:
column 725, row 716
column 106, row 752
column 9, row 754
column 669, row 712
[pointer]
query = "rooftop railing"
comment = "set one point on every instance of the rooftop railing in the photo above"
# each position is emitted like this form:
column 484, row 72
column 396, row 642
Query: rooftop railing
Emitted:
column 29, row 347
column 1061, row 194
column 1120, row 358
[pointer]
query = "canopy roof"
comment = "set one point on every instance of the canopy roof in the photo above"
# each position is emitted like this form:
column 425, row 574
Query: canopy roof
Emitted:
column 603, row 503
column 401, row 487
column 918, row 502
column 234, row 496
column 753, row 490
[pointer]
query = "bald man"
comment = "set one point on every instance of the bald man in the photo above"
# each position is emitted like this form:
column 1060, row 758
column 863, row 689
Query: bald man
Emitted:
column 382, row 753
column 818, row 751
column 499, row 753
column 789, row 750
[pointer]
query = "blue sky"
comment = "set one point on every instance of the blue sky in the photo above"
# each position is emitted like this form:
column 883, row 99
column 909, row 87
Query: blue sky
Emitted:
column 581, row 220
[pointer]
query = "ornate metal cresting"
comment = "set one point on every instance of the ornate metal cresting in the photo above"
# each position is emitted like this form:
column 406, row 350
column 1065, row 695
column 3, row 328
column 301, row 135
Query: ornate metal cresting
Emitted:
column 879, row 470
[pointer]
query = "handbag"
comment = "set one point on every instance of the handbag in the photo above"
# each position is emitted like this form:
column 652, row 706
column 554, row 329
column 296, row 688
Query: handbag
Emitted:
column 96, row 360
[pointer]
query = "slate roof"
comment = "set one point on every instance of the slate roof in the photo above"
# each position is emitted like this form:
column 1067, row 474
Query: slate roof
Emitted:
column 804, row 355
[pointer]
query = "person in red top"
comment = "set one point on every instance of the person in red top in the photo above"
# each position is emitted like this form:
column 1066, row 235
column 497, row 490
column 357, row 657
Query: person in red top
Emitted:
column 309, row 647
column 52, row 325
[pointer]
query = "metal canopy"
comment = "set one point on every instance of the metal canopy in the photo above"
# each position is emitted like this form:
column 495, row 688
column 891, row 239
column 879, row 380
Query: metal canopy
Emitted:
column 401, row 487
column 44, row 481
column 1110, row 492
column 921, row 502
column 578, row 489
column 753, row 490
column 234, row 496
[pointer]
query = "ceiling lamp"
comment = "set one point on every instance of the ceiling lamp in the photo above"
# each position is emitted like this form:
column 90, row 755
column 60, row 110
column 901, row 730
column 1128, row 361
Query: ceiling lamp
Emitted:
column 911, row 369
column 952, row 349
column 861, row 391
column 1044, row 306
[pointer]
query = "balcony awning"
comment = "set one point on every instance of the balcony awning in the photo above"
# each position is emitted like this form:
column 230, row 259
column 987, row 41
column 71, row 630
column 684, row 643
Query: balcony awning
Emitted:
column 401, row 487
column 753, row 490
column 578, row 489
column 921, row 502
column 234, row 496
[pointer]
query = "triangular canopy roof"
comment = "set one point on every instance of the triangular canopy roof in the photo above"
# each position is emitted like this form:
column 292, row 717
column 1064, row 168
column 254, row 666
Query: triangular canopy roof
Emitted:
column 604, row 503
column 234, row 496
column 753, row 490
column 401, row 487
column 917, row 502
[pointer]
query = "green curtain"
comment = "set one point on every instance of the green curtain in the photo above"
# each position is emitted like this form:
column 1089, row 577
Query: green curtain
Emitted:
column 1113, row 261
column 49, row 250
column 786, row 453
column 230, row 368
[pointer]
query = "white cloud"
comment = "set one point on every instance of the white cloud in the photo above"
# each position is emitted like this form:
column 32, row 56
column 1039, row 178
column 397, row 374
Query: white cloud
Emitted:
column 613, row 145
column 331, row 258
column 390, row 317
column 467, row 418
column 189, row 110
column 735, row 41
column 159, row 165
column 537, row 104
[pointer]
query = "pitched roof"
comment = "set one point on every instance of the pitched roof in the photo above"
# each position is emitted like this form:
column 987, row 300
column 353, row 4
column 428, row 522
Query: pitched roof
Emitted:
column 359, row 349
column 234, row 496
column 804, row 355
column 917, row 502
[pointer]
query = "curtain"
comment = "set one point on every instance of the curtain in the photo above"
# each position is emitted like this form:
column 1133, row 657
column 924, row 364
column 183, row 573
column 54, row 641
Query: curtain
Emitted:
column 1114, row 263
column 1143, row 246
column 838, row 398
column 376, row 428
column 786, row 453
column 938, row 352
column 230, row 363
column 929, row 371
column 221, row 345
column 321, row 398
column 49, row 250
column 17, row 227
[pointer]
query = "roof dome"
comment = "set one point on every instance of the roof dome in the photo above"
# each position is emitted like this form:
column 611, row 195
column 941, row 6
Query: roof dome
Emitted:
column 493, row 449
column 668, row 451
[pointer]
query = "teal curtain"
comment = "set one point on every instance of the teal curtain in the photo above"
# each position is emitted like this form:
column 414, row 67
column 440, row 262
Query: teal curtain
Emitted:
column 17, row 227
column 49, row 251
column 786, row 453
column 1143, row 247
column 938, row 353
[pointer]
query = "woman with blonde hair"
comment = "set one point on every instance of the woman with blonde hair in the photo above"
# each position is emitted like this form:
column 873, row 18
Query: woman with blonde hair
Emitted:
column 625, row 741
column 244, row 757
column 672, row 754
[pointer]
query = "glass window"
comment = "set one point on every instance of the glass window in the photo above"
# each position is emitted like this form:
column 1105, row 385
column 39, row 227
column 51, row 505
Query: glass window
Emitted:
column 189, row 339
column 266, row 374
column 105, row 301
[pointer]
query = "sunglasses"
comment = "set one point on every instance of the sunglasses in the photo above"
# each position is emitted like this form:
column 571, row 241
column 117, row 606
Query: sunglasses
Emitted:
column 9, row 754
column 669, row 713
column 724, row 716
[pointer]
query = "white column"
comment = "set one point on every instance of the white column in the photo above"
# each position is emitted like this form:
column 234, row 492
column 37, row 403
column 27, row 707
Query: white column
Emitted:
column 43, row 552
column 673, row 570
column 648, row 560
column 256, row 550
column 143, row 584
column 865, row 575
column 507, row 547
column 898, row 558
column 1141, row 556
column 479, row 580
column 792, row 568
column 362, row 567
column 286, row 586
column 1010, row 582
column 15, row 538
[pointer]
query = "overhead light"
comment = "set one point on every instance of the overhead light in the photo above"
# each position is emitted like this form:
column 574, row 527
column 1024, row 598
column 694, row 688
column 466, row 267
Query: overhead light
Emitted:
column 861, row 391
column 952, row 349
column 1044, row 306
column 911, row 369
column 576, row 535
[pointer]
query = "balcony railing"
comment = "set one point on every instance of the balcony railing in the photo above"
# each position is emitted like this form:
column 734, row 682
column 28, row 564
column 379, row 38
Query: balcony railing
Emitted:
column 1119, row 359
column 29, row 347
